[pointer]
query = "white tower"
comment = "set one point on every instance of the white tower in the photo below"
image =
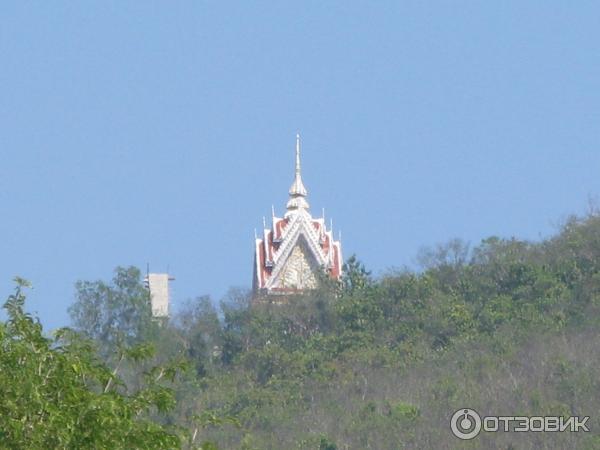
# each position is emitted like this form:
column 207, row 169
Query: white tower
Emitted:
column 158, row 284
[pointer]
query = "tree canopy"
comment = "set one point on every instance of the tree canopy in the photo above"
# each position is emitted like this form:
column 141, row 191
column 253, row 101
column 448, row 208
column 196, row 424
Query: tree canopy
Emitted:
column 506, row 326
column 57, row 394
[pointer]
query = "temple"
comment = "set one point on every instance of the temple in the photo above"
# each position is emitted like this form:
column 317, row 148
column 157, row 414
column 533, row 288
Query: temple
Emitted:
column 290, row 254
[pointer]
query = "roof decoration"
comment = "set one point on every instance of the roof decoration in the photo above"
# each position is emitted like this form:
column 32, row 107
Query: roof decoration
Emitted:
column 298, row 192
column 296, row 246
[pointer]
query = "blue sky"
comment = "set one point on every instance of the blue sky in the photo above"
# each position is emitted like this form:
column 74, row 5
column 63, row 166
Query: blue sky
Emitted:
column 162, row 132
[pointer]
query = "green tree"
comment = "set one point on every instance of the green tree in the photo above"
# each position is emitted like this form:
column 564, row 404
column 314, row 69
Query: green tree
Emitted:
column 200, row 331
column 354, row 275
column 56, row 394
column 116, row 313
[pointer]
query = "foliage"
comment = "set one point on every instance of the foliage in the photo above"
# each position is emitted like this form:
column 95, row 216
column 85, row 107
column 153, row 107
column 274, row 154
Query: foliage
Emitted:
column 114, row 314
column 56, row 393
column 505, row 326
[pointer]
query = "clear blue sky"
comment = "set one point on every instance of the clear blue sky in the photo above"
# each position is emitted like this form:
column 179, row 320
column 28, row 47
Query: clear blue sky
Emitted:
column 162, row 132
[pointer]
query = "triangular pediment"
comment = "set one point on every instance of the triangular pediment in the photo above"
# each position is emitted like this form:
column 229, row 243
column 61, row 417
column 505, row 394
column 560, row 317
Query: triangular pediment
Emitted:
column 300, row 225
column 298, row 271
column 298, row 255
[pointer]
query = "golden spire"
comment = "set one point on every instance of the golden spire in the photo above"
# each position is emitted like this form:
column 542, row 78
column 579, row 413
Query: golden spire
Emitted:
column 297, row 191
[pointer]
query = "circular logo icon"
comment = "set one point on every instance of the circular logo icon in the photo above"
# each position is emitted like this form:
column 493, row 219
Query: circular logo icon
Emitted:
column 465, row 423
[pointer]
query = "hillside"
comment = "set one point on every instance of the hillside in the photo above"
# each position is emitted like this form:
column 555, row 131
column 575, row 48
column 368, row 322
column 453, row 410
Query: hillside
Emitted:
column 508, row 327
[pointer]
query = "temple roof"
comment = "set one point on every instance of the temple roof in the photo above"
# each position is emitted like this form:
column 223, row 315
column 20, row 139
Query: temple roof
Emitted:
column 295, row 245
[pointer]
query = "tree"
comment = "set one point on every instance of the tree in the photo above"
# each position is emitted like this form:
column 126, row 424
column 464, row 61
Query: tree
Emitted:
column 114, row 313
column 200, row 330
column 57, row 394
column 354, row 275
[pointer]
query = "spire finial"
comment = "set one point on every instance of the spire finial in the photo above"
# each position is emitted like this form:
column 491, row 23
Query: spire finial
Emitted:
column 297, row 190
column 298, row 154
